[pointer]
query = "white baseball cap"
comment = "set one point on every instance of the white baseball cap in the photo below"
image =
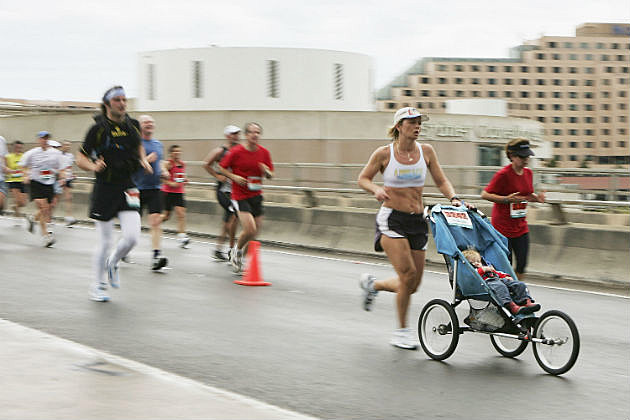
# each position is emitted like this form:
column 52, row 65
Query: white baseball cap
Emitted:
column 409, row 112
column 54, row 143
column 231, row 129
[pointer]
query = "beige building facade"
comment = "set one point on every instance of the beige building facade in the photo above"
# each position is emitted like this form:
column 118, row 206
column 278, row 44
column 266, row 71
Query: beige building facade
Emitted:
column 577, row 87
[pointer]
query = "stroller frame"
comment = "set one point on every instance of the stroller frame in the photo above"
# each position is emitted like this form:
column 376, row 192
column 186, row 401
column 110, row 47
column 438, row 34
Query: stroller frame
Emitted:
column 554, row 335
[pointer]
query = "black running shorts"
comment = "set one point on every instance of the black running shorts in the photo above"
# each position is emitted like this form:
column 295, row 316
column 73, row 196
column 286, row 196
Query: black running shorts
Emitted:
column 398, row 224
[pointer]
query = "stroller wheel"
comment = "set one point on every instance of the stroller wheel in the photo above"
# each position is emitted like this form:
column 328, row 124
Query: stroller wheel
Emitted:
column 560, row 345
column 438, row 329
column 508, row 347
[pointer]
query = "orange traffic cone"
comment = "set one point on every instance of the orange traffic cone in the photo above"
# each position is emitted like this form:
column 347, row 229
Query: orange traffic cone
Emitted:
column 253, row 275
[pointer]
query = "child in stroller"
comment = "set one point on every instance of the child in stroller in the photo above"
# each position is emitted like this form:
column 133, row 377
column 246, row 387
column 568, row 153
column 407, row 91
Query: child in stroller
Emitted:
column 512, row 294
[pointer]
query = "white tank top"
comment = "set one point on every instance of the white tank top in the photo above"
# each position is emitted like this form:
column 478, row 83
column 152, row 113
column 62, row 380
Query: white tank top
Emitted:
column 399, row 175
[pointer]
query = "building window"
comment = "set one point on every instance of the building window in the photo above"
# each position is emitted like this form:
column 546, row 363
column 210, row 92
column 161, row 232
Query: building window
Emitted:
column 605, row 119
column 573, row 144
column 540, row 107
column 588, row 144
column 492, row 81
column 406, row 92
column 557, row 107
column 474, row 81
column 573, row 120
column 524, row 81
column 540, row 56
column 573, row 56
column 599, row 45
column 605, row 94
column 573, row 94
column 568, row 45
column 476, row 93
column 621, row 94
column 605, row 57
column 557, row 82
column 558, row 158
column 622, row 118
column 557, row 94
column 605, row 107
column 507, row 94
column 391, row 105
column 540, row 69
column 491, row 68
column 588, row 132
column 589, row 70
column 573, row 132
column 606, row 131
column 573, row 82
column 426, row 93
column 557, row 132
column 492, row 94
column 552, row 44
column 556, row 56
column 524, row 107
column 540, row 82
column 338, row 78
column 459, row 93
column 605, row 144
column 507, row 69
column 573, row 107
column 621, row 144
column 197, row 79
column 588, row 120
column 442, row 93
column 557, row 119
column 425, row 80
column 474, row 68
column 507, row 81
column 622, row 131
column 610, row 70
column 524, row 69
column 573, row 70
column 621, row 58
column 584, row 45
column 459, row 80
column 442, row 80
column 540, row 94
column 588, row 83
column 557, row 70
column 151, row 82
column 573, row 158
column 557, row 144
column 459, row 68
column 273, row 79
column 442, row 67
column 588, row 107
column 540, row 119
column 588, row 57
column 524, row 94
column 419, row 105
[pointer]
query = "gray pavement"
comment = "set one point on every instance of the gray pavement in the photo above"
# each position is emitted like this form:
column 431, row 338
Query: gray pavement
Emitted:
column 302, row 344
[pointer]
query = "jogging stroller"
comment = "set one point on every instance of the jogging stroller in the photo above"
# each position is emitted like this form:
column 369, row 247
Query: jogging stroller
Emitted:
column 554, row 336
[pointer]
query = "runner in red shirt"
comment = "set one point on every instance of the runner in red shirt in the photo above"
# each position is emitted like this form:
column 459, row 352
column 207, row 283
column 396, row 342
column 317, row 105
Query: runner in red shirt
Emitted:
column 173, row 193
column 510, row 189
column 246, row 165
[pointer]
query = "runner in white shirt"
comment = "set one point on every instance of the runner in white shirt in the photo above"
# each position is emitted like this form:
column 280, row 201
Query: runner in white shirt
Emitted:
column 45, row 164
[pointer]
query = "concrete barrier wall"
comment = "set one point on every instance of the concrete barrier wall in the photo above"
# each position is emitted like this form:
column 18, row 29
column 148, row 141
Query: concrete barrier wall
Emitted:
column 583, row 253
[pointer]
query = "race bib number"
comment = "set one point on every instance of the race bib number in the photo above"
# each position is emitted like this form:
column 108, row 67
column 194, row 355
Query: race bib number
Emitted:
column 180, row 177
column 132, row 195
column 17, row 174
column 518, row 210
column 457, row 218
column 254, row 183
column 46, row 174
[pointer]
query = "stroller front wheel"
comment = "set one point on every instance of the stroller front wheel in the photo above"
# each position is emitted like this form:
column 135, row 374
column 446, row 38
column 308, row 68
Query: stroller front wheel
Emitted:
column 508, row 347
column 559, row 344
column 438, row 329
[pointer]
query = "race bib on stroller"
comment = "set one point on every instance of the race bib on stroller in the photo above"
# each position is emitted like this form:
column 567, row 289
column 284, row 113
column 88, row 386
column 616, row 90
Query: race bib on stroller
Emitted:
column 132, row 195
column 254, row 183
column 518, row 210
column 457, row 218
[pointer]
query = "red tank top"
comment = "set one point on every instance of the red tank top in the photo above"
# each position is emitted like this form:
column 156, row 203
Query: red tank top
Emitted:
column 176, row 174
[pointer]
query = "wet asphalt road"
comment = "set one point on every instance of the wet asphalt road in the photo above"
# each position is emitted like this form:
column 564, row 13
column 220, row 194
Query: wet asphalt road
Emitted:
column 305, row 343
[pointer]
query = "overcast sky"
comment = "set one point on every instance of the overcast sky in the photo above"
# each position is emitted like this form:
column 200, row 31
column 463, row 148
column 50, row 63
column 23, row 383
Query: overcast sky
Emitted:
column 75, row 49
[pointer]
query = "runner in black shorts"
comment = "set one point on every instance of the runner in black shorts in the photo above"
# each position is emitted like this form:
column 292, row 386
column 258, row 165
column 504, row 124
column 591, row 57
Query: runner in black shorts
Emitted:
column 173, row 192
column 246, row 165
column 112, row 150
column 149, row 185
column 224, row 192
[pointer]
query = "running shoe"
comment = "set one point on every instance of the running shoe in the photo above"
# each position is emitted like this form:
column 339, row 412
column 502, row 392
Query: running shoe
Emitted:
column 366, row 281
column 70, row 221
column 112, row 274
column 159, row 262
column 183, row 242
column 30, row 223
column 49, row 240
column 219, row 255
column 98, row 294
column 404, row 338
column 237, row 260
column 126, row 259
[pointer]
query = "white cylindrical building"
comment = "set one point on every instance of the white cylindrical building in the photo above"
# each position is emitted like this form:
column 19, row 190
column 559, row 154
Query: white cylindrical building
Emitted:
column 238, row 78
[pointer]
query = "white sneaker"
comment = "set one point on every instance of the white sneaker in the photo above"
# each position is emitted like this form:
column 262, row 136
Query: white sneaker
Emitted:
column 70, row 221
column 404, row 338
column 112, row 274
column 49, row 240
column 366, row 281
column 237, row 260
column 97, row 293
column 183, row 240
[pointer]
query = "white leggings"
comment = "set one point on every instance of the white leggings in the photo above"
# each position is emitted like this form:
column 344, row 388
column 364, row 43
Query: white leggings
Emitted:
column 130, row 230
